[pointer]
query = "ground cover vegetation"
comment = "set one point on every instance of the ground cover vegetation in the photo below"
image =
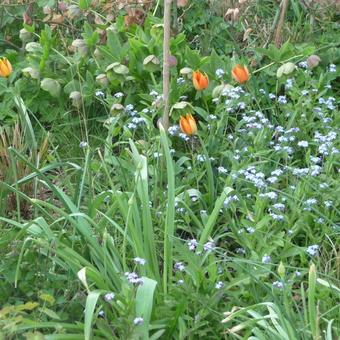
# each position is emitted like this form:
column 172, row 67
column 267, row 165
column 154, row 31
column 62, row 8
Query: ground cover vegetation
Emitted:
column 223, row 225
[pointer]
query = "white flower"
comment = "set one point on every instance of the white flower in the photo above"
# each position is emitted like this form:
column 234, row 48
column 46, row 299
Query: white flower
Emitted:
column 83, row 145
column 201, row 158
column 222, row 170
column 154, row 93
column 303, row 64
column 219, row 285
column 209, row 246
column 219, row 73
column 137, row 321
column 278, row 285
column 192, row 244
column 282, row 100
column 179, row 266
column 313, row 250
column 109, row 297
column 140, row 261
column 173, row 130
column 279, row 206
column 133, row 278
column 157, row 155
column 332, row 68
column 100, row 94
column 118, row 95
column 303, row 144
column 266, row 259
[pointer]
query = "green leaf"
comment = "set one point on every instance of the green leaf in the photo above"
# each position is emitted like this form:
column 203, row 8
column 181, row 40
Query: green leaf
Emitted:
column 90, row 306
column 84, row 4
column 213, row 217
column 144, row 304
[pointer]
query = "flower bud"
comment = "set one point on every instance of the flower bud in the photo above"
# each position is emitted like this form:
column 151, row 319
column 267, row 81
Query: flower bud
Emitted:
column 200, row 80
column 116, row 108
column 33, row 47
column 240, row 73
column 81, row 46
column 313, row 61
column 188, row 124
column 24, row 35
column 172, row 61
column 75, row 96
column 151, row 63
column 52, row 86
column 102, row 80
column 32, row 72
column 5, row 68
column 97, row 54
column 186, row 72
column 62, row 6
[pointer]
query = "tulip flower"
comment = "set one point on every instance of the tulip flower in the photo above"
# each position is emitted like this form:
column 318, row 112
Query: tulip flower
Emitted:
column 200, row 80
column 188, row 124
column 240, row 73
column 5, row 68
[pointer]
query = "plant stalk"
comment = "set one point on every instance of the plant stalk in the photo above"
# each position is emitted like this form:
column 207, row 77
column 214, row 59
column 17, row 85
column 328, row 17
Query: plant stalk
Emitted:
column 166, row 62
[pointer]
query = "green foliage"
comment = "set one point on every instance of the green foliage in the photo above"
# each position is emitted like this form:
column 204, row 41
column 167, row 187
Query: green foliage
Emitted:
column 112, row 228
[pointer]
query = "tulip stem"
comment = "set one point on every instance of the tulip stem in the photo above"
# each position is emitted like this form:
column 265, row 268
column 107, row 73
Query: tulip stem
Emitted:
column 166, row 62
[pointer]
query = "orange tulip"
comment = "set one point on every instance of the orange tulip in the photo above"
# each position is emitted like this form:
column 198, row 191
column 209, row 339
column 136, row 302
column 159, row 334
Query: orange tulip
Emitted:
column 240, row 73
column 5, row 68
column 188, row 124
column 200, row 80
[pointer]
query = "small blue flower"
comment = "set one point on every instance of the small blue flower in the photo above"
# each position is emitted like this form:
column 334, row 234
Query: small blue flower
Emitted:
column 266, row 259
column 313, row 250
column 138, row 321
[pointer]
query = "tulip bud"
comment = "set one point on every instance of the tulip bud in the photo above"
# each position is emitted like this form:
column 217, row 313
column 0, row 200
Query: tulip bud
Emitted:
column 24, row 35
column 102, row 80
column 313, row 61
column 200, row 80
column 240, row 73
column 5, row 68
column 75, row 96
column 188, row 124
column 32, row 72
column 81, row 46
